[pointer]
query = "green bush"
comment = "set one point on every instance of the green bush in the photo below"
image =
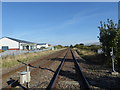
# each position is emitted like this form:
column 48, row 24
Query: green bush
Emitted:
column 109, row 37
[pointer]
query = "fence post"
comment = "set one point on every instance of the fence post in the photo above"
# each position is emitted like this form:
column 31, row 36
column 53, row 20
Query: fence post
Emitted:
column 28, row 77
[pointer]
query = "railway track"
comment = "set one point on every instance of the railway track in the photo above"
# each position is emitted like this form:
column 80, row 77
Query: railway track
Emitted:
column 5, row 75
column 34, row 68
column 65, row 75
column 69, row 75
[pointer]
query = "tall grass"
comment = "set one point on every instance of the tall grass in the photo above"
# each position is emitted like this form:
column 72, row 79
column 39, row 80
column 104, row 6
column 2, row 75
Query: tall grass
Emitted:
column 10, row 61
column 91, row 56
column 85, row 52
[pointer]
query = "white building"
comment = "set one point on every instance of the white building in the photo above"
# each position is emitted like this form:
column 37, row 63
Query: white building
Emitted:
column 99, row 51
column 42, row 45
column 7, row 43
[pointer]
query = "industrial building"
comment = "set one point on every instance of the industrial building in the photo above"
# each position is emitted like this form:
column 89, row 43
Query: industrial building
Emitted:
column 7, row 43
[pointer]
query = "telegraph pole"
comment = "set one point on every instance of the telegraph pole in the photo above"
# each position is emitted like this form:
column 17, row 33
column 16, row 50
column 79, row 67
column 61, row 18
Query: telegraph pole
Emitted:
column 113, row 57
column 113, row 63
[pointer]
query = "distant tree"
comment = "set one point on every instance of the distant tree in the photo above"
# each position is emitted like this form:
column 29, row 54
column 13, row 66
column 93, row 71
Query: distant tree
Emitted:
column 58, row 46
column 71, row 46
column 94, row 47
column 81, row 44
column 66, row 46
column 118, row 44
column 91, row 47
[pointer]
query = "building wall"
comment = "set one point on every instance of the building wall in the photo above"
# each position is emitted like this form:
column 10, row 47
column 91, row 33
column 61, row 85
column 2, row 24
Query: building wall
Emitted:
column 46, row 45
column 31, row 46
column 21, row 47
column 12, row 45
column 39, row 46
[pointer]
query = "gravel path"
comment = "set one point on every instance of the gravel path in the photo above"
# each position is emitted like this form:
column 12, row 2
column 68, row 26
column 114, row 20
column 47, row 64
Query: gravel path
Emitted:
column 42, row 78
column 99, row 76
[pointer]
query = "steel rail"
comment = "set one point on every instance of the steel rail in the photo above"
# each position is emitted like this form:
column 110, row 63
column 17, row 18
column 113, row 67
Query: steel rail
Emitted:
column 26, row 64
column 55, row 77
column 10, row 85
column 85, row 85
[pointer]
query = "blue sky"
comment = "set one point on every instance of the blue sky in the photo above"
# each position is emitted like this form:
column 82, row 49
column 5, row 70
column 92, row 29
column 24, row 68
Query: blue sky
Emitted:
column 63, row 23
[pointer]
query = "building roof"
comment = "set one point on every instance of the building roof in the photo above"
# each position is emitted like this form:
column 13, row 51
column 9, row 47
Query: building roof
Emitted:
column 41, row 43
column 21, row 41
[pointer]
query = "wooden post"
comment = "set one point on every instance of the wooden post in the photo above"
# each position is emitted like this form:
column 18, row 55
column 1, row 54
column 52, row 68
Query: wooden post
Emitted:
column 27, row 77
column 113, row 66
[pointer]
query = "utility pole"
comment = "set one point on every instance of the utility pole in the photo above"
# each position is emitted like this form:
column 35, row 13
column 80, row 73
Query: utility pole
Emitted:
column 113, row 57
column 113, row 64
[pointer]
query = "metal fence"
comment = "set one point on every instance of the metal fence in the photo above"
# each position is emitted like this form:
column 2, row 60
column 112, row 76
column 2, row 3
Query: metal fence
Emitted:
column 19, row 52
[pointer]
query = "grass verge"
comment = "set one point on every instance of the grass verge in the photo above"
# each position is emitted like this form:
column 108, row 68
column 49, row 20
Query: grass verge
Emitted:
column 10, row 61
column 98, row 75
column 91, row 56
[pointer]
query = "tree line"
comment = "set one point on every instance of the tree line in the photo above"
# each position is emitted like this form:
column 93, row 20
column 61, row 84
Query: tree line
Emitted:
column 87, row 47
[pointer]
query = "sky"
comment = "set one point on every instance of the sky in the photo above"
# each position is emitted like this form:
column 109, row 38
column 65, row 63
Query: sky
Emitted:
column 56, row 23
